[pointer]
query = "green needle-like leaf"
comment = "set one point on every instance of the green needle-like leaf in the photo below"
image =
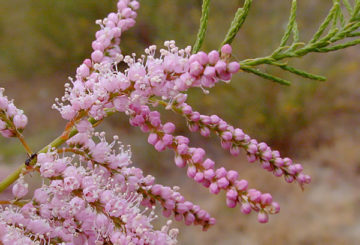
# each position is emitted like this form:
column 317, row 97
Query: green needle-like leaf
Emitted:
column 237, row 22
column 290, row 26
column 266, row 75
column 203, row 26
column 300, row 72
column 325, row 24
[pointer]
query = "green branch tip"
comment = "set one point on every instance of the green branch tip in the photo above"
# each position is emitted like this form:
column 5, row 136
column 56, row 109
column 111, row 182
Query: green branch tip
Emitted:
column 237, row 22
column 291, row 24
column 203, row 26
column 326, row 22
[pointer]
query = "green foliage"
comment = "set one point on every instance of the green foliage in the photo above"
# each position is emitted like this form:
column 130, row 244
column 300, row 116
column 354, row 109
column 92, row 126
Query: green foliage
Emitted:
column 338, row 28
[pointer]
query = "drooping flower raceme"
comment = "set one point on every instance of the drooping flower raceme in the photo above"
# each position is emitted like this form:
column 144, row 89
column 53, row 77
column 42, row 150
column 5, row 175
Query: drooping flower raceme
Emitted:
column 169, row 76
column 93, row 194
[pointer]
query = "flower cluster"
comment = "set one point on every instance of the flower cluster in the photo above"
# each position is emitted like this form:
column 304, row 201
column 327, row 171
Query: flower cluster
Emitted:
column 233, row 139
column 94, row 198
column 12, row 120
column 87, row 93
column 93, row 195
column 154, row 79
column 175, row 71
column 200, row 168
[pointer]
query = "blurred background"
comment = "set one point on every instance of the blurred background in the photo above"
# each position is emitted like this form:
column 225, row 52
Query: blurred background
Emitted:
column 316, row 123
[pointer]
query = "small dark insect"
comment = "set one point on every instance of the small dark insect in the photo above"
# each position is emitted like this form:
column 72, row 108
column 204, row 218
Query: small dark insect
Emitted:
column 33, row 156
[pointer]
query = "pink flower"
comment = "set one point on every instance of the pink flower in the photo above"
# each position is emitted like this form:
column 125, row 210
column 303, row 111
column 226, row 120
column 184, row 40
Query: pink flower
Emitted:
column 20, row 121
column 20, row 188
column 226, row 49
